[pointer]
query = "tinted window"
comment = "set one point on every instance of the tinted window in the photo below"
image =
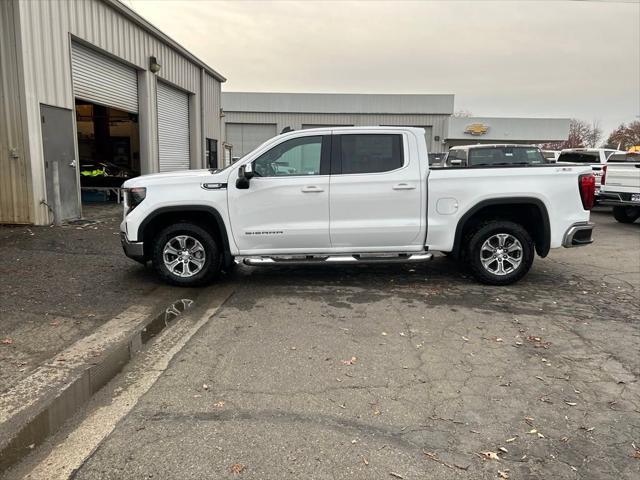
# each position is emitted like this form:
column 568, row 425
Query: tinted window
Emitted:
column 579, row 157
column 371, row 153
column 298, row 156
column 625, row 157
column 505, row 156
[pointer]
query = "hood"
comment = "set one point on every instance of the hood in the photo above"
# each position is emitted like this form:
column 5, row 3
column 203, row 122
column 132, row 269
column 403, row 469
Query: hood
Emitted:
column 176, row 177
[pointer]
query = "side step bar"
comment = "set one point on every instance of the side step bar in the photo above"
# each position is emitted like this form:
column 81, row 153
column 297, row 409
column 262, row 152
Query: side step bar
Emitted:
column 337, row 259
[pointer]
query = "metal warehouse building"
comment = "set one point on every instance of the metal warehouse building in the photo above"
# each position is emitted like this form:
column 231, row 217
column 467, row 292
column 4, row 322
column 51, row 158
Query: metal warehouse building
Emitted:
column 90, row 86
column 251, row 118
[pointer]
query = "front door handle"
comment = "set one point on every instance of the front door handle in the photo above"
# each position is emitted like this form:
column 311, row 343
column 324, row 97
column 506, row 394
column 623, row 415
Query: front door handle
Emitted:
column 312, row 189
column 404, row 186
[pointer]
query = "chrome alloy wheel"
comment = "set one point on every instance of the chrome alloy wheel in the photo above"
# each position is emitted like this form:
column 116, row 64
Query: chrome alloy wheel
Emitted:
column 501, row 254
column 184, row 256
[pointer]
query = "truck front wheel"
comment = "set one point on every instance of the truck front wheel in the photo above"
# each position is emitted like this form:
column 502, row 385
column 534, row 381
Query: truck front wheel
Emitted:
column 626, row 214
column 499, row 252
column 187, row 255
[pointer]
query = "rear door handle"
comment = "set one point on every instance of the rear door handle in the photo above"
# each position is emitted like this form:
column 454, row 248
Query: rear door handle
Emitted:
column 312, row 189
column 404, row 186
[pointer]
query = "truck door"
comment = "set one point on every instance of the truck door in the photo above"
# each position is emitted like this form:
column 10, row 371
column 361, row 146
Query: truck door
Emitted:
column 286, row 207
column 376, row 190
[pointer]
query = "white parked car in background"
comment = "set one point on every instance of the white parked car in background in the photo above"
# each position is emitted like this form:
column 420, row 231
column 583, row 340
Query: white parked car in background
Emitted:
column 498, row 155
column 596, row 157
column 354, row 195
column 621, row 186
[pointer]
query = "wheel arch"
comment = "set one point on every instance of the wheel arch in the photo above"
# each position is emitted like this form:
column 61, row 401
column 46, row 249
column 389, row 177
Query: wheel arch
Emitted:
column 530, row 212
column 206, row 217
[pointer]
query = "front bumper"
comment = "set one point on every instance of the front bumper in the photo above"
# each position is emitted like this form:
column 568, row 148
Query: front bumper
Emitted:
column 134, row 250
column 578, row 235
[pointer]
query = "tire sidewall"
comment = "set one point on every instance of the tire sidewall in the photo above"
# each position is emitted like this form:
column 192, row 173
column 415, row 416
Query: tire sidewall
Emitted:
column 212, row 263
column 626, row 214
column 486, row 231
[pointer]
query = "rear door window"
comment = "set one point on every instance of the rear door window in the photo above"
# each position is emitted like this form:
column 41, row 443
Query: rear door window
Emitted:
column 368, row 153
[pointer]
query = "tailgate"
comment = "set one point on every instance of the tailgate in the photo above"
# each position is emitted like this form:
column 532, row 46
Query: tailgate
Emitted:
column 623, row 177
column 623, row 173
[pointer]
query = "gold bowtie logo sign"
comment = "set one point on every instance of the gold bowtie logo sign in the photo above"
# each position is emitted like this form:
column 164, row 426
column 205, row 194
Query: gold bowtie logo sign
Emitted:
column 476, row 129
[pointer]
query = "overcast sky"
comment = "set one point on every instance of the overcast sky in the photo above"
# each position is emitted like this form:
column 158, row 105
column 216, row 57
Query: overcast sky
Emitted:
column 500, row 58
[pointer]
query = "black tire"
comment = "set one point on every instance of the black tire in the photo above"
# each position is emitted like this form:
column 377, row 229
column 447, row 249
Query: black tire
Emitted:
column 485, row 231
column 212, row 255
column 626, row 214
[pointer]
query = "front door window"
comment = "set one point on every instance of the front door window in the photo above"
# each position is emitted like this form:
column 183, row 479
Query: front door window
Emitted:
column 295, row 157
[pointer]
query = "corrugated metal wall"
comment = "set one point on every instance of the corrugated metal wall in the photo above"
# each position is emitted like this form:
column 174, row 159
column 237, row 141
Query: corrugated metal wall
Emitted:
column 14, row 183
column 296, row 120
column 47, row 28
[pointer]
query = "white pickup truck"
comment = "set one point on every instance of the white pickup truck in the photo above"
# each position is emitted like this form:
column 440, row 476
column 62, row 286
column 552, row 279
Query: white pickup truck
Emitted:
column 354, row 195
column 621, row 186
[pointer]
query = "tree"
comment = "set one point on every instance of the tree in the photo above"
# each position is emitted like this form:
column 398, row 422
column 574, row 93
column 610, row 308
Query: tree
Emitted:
column 581, row 134
column 625, row 136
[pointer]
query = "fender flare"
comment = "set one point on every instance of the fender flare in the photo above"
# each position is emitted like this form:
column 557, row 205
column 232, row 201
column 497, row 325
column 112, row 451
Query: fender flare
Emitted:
column 542, row 247
column 188, row 208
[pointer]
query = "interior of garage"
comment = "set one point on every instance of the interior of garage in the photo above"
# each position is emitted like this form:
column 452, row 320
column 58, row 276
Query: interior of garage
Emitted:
column 108, row 148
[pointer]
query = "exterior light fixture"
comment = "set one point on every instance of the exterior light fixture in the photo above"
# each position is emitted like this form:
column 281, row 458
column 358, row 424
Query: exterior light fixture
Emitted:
column 154, row 66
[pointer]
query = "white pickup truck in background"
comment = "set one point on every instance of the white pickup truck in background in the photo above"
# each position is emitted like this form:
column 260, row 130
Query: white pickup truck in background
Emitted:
column 596, row 157
column 621, row 186
column 354, row 195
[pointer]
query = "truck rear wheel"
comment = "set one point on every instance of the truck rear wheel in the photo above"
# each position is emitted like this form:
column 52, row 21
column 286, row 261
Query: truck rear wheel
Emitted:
column 185, row 254
column 626, row 214
column 499, row 252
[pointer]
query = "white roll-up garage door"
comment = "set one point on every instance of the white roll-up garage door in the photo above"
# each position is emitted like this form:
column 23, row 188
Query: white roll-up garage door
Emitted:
column 103, row 80
column 246, row 136
column 173, row 128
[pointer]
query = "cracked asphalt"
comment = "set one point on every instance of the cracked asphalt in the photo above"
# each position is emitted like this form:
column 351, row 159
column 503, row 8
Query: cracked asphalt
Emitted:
column 403, row 372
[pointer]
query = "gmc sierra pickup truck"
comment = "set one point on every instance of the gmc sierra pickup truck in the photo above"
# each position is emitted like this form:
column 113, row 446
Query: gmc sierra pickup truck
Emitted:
column 621, row 186
column 354, row 195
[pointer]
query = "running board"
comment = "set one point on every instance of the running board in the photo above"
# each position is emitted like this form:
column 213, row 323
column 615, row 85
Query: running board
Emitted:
column 337, row 259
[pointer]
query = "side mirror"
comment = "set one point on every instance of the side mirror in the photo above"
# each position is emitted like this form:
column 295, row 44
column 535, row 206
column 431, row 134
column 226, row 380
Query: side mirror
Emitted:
column 245, row 173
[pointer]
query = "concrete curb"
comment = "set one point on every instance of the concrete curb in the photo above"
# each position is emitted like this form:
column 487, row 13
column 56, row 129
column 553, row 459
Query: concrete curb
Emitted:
column 38, row 405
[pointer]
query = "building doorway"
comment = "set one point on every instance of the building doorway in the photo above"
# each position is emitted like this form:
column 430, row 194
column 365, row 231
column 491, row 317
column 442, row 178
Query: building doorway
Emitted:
column 108, row 150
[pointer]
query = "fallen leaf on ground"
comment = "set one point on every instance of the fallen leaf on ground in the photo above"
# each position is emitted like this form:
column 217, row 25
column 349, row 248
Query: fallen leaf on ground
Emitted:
column 503, row 473
column 540, row 435
column 219, row 404
column 490, row 455
column 571, row 404
column 509, row 440
column 351, row 361
column 7, row 341
column 237, row 468
column 365, row 461
column 533, row 430
column 502, row 449
column 394, row 474
column 465, row 339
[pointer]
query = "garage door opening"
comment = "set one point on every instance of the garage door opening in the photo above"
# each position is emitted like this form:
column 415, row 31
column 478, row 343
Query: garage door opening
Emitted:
column 108, row 149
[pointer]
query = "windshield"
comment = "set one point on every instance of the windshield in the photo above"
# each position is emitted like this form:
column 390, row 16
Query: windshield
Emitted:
column 579, row 157
column 505, row 156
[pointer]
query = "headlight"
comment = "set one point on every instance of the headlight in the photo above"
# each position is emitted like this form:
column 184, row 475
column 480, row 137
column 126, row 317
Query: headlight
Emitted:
column 134, row 197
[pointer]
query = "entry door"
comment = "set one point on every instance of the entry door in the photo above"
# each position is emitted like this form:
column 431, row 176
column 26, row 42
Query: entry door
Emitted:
column 286, row 207
column 60, row 162
column 375, row 193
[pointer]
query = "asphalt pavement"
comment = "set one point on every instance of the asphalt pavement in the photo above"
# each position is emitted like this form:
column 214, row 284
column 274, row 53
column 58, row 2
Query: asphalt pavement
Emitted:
column 402, row 372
